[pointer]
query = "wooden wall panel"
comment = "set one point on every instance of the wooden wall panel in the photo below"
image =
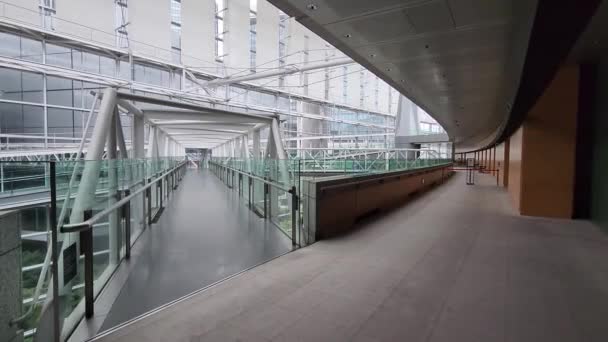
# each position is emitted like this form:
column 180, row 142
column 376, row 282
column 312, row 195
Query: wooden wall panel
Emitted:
column 341, row 205
column 515, row 167
column 542, row 151
column 550, row 144
column 499, row 162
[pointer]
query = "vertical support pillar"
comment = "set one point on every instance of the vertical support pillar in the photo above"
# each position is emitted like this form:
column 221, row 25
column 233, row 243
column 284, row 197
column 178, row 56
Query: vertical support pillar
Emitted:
column 279, row 151
column 87, row 247
column 90, row 174
column 137, row 137
column 149, row 204
column 113, row 218
column 256, row 144
column 126, row 213
column 153, row 142
column 294, row 216
column 1, row 177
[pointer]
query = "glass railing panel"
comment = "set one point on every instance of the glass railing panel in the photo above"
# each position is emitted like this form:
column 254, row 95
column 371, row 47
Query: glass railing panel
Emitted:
column 23, row 177
column 280, row 209
column 245, row 189
column 258, row 198
column 33, row 232
column 32, row 227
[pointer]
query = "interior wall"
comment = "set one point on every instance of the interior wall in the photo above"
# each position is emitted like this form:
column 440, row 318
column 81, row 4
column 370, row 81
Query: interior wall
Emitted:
column 542, row 151
column 516, row 142
column 502, row 163
column 599, row 169
column 550, row 147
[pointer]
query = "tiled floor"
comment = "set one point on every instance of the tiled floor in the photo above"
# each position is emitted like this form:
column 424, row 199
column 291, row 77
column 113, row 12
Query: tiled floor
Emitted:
column 456, row 264
column 205, row 234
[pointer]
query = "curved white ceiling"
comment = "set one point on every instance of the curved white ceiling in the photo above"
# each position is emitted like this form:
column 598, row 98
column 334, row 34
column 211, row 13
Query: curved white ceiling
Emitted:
column 453, row 58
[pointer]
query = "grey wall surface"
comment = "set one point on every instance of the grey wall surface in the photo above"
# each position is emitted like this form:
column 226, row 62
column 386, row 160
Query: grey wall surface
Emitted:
column 10, row 273
column 599, row 185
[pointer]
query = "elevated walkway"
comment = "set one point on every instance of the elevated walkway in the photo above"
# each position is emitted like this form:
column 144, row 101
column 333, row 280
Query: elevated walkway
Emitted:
column 205, row 234
column 455, row 264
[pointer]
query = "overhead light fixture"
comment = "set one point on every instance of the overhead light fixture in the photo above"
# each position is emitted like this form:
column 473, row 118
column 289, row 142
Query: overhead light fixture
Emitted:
column 312, row 7
column 373, row 55
column 348, row 35
column 388, row 69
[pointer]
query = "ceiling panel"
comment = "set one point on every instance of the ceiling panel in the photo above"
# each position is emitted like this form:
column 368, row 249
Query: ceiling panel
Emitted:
column 373, row 28
column 448, row 56
column 431, row 17
column 329, row 11
column 471, row 12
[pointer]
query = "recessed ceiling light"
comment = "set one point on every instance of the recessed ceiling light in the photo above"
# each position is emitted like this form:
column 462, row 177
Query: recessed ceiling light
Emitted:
column 312, row 7
column 348, row 35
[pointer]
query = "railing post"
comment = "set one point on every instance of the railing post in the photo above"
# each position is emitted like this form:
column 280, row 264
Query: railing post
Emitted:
column 160, row 187
column 240, row 184
column 54, row 253
column 249, row 193
column 149, row 195
column 86, row 243
column 126, row 213
column 497, row 176
column 294, row 206
column 265, row 200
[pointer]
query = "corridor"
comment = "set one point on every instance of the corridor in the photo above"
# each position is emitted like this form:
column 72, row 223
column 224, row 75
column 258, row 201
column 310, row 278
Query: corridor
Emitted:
column 205, row 234
column 454, row 264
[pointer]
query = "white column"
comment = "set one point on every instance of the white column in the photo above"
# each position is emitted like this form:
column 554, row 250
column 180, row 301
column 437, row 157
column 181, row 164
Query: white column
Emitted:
column 113, row 234
column 85, row 194
column 137, row 137
column 256, row 144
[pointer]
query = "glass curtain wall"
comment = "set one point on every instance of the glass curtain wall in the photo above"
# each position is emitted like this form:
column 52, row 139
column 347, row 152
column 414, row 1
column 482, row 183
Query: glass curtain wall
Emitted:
column 54, row 109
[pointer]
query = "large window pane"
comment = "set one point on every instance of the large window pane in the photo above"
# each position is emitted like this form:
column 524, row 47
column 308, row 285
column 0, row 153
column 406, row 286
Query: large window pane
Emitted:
column 9, row 45
column 152, row 75
column 12, row 45
column 107, row 66
column 59, row 91
column 125, row 70
column 59, row 55
column 33, row 119
column 61, row 122
column 21, row 119
column 20, row 86
column 31, row 50
column 32, row 87
column 10, row 85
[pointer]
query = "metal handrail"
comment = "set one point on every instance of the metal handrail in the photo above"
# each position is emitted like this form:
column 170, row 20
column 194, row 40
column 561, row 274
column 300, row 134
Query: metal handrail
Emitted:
column 88, row 224
column 292, row 191
column 248, row 174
